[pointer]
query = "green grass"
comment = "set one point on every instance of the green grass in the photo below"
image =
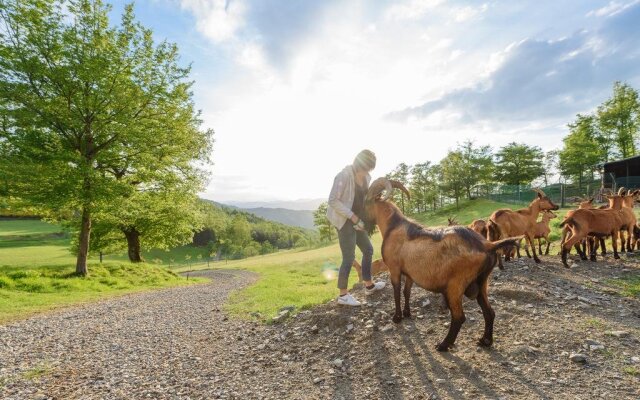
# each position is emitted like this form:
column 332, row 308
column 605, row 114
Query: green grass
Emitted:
column 27, row 290
column 631, row 370
column 629, row 286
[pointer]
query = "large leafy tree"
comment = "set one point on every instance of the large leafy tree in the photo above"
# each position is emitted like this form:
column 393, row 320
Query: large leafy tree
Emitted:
column 83, row 100
column 518, row 164
column 619, row 119
column 423, row 186
column 581, row 151
column 453, row 172
column 478, row 165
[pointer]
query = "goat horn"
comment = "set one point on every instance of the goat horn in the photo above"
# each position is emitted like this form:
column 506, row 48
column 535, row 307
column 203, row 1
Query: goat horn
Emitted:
column 621, row 190
column 537, row 190
column 398, row 185
column 377, row 187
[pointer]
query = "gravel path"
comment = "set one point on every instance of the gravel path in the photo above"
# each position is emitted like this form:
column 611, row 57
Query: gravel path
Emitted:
column 173, row 343
column 178, row 344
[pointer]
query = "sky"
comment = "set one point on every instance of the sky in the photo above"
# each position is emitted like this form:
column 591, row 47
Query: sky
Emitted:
column 295, row 89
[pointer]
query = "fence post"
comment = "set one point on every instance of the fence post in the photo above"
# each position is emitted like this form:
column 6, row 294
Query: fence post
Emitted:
column 562, row 195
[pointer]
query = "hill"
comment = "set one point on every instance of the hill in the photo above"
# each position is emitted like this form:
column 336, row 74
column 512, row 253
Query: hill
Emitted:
column 299, row 218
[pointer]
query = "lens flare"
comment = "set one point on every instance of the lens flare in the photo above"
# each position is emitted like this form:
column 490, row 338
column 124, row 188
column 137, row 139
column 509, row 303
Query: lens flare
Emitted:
column 330, row 271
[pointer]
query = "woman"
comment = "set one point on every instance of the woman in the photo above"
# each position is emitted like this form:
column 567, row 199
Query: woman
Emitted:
column 346, row 207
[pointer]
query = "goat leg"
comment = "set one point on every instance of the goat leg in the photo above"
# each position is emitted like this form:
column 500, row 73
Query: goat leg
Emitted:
column 546, row 252
column 489, row 315
column 622, row 247
column 396, row 282
column 408, row 282
column 614, row 244
column 603, row 246
column 540, row 246
column 533, row 249
column 592, row 248
column 454, row 300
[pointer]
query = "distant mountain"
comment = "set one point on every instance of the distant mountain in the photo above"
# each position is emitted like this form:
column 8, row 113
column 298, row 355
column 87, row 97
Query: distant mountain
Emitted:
column 300, row 218
column 301, row 204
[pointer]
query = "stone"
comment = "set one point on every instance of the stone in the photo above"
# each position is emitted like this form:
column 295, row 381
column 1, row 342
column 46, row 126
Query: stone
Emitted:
column 619, row 334
column 314, row 329
column 338, row 363
column 318, row 380
column 386, row 328
column 578, row 358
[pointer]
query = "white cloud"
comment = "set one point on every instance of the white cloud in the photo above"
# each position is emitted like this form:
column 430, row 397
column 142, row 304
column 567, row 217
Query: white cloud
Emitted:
column 217, row 19
column 612, row 8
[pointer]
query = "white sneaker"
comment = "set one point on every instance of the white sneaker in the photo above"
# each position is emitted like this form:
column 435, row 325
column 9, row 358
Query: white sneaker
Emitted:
column 376, row 287
column 348, row 300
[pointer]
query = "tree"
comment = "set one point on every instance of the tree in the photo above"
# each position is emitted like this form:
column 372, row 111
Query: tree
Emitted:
column 477, row 165
column 321, row 222
column 581, row 151
column 518, row 164
column 80, row 97
column 423, row 186
column 619, row 118
column 239, row 231
column 452, row 171
column 400, row 174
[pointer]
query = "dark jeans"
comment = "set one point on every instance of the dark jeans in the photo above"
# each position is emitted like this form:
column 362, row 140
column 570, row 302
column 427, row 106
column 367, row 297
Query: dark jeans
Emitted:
column 348, row 238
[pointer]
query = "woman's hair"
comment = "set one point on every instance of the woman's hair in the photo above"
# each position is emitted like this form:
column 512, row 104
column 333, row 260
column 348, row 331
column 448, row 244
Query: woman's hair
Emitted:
column 365, row 160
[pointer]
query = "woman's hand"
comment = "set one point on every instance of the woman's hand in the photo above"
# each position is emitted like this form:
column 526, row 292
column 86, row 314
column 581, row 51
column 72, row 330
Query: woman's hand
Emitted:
column 355, row 219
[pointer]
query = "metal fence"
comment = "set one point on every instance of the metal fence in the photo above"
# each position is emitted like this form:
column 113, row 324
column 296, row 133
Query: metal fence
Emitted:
column 560, row 193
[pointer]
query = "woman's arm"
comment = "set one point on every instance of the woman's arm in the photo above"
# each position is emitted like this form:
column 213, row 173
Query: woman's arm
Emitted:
column 334, row 197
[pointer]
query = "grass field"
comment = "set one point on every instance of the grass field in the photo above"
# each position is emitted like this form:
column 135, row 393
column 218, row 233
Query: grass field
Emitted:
column 37, row 272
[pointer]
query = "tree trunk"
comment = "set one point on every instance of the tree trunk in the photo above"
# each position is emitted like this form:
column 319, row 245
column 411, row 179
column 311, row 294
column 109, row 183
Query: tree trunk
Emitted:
column 133, row 244
column 83, row 243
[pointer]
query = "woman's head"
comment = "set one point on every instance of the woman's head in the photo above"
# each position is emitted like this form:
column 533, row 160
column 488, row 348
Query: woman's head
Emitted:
column 365, row 161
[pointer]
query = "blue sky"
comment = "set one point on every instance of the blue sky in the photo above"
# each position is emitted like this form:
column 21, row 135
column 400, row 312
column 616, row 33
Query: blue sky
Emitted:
column 294, row 89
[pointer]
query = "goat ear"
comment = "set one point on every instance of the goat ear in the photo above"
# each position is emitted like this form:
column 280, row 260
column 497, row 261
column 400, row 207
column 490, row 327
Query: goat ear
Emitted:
column 591, row 200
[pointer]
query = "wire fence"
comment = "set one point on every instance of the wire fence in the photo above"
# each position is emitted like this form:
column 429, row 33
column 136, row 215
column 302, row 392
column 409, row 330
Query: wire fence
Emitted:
column 560, row 193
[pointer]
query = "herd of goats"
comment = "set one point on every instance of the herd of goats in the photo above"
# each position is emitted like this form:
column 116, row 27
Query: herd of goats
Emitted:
column 457, row 260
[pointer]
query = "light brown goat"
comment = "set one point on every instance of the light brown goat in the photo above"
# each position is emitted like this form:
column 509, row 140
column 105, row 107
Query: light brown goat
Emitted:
column 479, row 226
column 625, row 202
column 594, row 222
column 510, row 223
column 377, row 267
column 454, row 261
column 543, row 230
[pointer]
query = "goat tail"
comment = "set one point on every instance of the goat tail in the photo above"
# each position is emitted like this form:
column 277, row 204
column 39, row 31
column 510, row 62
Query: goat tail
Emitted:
column 493, row 231
column 503, row 244
column 569, row 222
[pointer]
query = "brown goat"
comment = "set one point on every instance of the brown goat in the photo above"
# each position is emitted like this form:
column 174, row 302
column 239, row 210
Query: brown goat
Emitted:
column 510, row 223
column 594, row 222
column 543, row 230
column 625, row 202
column 377, row 267
column 454, row 261
column 479, row 226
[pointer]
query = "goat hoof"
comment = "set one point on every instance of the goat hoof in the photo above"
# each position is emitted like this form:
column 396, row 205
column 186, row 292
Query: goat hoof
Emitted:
column 566, row 265
column 406, row 314
column 442, row 347
column 397, row 318
column 617, row 257
column 537, row 260
column 593, row 259
column 485, row 342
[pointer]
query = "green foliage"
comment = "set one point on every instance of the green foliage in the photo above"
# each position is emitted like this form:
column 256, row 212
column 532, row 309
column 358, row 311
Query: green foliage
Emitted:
column 581, row 151
column 518, row 164
column 91, row 112
column 619, row 119
column 400, row 174
column 321, row 222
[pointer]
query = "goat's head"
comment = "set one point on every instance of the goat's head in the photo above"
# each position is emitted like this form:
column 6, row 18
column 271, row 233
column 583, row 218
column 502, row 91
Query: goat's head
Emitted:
column 380, row 191
column 452, row 221
column 545, row 202
column 548, row 215
column 586, row 203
